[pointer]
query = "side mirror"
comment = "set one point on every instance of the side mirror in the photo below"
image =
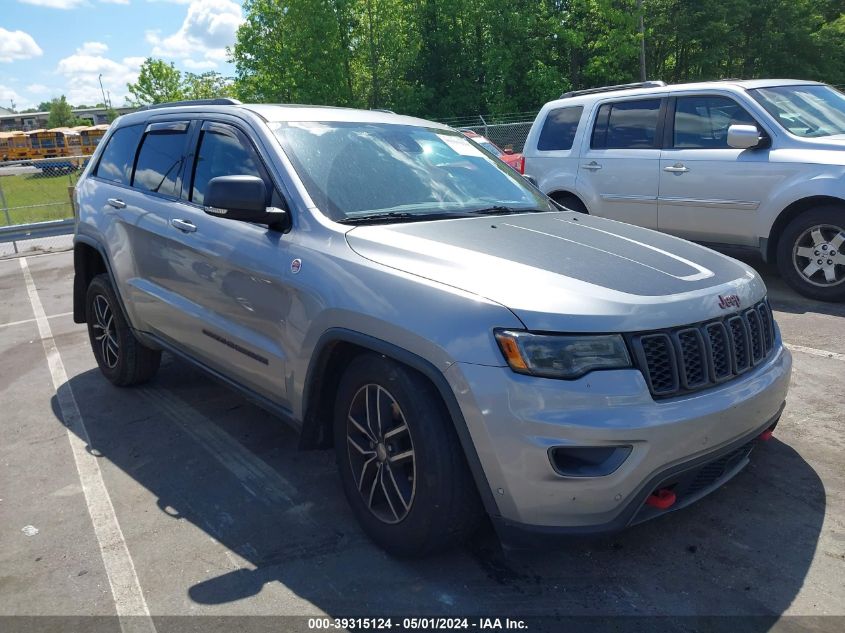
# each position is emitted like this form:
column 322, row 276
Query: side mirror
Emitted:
column 743, row 136
column 508, row 149
column 242, row 198
column 530, row 179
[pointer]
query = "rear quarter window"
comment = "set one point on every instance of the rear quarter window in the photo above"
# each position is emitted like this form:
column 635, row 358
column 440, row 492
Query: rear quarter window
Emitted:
column 116, row 161
column 559, row 129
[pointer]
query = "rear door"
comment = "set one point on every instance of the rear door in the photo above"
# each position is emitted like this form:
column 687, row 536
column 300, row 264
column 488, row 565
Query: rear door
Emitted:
column 229, row 277
column 710, row 191
column 619, row 169
column 136, row 179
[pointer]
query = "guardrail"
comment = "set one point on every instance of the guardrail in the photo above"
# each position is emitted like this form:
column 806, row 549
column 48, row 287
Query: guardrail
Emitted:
column 35, row 230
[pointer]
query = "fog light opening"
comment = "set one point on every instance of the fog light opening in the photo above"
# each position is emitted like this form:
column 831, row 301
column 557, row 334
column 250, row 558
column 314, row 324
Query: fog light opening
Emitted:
column 588, row 461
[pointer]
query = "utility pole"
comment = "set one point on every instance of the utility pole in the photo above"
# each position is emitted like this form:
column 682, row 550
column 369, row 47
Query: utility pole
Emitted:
column 642, row 40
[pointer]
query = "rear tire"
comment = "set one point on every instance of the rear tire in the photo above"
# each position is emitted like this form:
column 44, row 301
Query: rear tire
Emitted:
column 122, row 358
column 403, row 473
column 811, row 253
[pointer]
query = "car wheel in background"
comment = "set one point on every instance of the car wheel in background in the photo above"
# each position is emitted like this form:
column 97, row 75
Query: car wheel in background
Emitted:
column 811, row 253
column 122, row 358
column 401, row 465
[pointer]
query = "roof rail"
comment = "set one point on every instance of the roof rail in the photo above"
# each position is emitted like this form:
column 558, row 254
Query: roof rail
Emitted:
column 591, row 91
column 194, row 102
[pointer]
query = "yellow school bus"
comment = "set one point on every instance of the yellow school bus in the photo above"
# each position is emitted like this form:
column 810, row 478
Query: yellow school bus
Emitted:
column 14, row 146
column 90, row 137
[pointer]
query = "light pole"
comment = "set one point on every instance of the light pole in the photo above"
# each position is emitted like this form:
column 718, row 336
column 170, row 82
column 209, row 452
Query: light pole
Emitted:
column 642, row 40
column 100, row 78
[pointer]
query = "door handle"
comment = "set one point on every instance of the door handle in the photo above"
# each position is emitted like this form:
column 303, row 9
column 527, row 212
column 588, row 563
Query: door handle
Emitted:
column 186, row 226
column 116, row 203
column 592, row 166
column 677, row 168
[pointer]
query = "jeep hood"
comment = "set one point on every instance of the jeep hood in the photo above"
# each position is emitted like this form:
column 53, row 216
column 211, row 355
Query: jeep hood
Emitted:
column 566, row 272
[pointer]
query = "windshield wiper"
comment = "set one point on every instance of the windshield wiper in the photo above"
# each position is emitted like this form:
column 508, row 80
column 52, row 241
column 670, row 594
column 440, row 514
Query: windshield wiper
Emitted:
column 399, row 216
column 499, row 209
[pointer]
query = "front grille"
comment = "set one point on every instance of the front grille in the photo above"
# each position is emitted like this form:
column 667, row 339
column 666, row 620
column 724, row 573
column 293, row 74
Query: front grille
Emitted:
column 687, row 359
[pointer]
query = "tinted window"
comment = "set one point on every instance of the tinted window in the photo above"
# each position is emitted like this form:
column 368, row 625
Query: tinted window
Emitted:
column 703, row 122
column 559, row 129
column 159, row 165
column 626, row 125
column 119, row 154
column 223, row 152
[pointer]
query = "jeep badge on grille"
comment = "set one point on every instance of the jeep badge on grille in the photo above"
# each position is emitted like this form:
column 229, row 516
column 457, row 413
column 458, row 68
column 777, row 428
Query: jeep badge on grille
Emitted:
column 728, row 301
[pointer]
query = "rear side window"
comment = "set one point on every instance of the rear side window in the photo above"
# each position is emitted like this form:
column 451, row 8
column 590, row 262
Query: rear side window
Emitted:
column 559, row 129
column 223, row 151
column 703, row 122
column 116, row 162
column 159, row 165
column 626, row 125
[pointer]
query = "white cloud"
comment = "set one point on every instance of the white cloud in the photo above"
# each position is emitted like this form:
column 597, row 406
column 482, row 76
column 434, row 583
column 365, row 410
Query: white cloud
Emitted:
column 37, row 89
column 83, row 69
column 17, row 45
column 55, row 4
column 115, row 1
column 209, row 27
column 92, row 48
column 203, row 64
column 8, row 95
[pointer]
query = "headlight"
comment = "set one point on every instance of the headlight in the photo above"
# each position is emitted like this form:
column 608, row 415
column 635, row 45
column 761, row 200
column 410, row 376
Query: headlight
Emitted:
column 562, row 356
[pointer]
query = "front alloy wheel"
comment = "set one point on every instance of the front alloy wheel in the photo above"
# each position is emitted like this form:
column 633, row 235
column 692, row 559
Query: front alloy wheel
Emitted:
column 381, row 453
column 818, row 257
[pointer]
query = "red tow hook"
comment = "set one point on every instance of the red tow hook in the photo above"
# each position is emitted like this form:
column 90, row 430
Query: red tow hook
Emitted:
column 766, row 435
column 661, row 499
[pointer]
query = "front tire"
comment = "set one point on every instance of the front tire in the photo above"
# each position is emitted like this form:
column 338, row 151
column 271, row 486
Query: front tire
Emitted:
column 811, row 253
column 401, row 465
column 122, row 358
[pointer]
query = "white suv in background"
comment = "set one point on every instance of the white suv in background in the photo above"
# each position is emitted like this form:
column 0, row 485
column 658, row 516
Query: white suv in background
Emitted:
column 757, row 164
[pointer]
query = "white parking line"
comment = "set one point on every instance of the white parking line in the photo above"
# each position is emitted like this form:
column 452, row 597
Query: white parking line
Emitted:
column 52, row 316
column 126, row 590
column 814, row 352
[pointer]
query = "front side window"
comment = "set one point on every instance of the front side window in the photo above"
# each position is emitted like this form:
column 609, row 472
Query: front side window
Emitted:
column 358, row 171
column 159, row 164
column 116, row 161
column 559, row 129
column 626, row 125
column 223, row 151
column 703, row 122
column 808, row 111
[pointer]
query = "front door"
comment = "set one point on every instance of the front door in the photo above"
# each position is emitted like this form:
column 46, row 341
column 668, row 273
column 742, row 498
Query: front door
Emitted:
column 230, row 276
column 709, row 191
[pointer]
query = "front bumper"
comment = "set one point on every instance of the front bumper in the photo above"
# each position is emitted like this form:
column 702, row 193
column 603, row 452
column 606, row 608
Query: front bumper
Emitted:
column 514, row 420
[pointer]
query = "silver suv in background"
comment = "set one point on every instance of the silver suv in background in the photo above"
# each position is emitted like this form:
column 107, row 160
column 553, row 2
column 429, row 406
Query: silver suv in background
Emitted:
column 395, row 292
column 757, row 164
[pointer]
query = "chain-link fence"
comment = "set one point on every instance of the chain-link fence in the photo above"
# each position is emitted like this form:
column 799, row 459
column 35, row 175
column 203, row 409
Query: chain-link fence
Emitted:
column 36, row 212
column 508, row 131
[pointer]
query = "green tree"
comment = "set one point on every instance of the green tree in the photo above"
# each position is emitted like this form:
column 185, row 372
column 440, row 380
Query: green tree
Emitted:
column 208, row 85
column 61, row 114
column 158, row 82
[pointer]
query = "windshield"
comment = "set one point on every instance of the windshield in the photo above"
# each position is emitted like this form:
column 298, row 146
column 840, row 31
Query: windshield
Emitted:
column 378, row 170
column 809, row 111
column 489, row 147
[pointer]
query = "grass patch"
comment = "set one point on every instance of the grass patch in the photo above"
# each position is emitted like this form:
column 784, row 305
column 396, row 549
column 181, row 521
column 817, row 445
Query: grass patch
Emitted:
column 35, row 197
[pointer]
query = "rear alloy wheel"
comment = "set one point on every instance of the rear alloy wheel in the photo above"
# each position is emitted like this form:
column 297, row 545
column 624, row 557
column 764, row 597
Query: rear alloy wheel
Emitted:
column 811, row 254
column 400, row 462
column 122, row 358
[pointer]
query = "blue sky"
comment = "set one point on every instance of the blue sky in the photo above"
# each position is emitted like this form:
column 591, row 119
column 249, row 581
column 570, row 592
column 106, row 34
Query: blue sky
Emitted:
column 50, row 48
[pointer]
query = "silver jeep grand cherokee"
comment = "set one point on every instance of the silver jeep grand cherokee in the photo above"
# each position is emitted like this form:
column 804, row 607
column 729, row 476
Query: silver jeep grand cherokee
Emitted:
column 464, row 344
